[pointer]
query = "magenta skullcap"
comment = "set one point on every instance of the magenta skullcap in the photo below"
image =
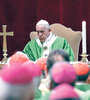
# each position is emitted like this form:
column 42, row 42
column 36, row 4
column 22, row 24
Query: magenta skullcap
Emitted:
column 17, row 74
column 63, row 91
column 63, row 72
column 34, row 68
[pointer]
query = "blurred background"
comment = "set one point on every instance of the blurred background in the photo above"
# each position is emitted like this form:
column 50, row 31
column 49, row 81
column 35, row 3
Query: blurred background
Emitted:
column 21, row 16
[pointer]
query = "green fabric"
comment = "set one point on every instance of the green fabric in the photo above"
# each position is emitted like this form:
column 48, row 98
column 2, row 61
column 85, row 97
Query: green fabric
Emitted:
column 46, row 96
column 83, row 87
column 85, row 96
column 34, row 51
column 42, row 43
column 37, row 95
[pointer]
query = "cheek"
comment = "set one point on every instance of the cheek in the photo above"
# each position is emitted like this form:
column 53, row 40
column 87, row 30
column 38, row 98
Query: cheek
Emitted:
column 40, row 34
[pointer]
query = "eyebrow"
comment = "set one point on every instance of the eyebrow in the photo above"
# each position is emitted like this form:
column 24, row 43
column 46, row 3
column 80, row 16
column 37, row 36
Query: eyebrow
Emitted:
column 40, row 31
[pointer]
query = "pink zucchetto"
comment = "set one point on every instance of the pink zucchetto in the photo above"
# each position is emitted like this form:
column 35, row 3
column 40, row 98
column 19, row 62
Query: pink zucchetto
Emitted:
column 17, row 74
column 34, row 68
column 63, row 91
column 63, row 72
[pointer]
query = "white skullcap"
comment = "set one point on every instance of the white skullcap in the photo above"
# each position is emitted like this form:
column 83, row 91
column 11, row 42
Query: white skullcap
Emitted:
column 43, row 23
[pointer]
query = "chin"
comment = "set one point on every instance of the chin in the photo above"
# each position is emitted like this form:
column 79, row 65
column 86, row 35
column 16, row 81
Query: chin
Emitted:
column 42, row 40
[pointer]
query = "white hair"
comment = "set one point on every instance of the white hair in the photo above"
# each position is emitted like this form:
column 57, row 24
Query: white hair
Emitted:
column 43, row 23
column 19, row 91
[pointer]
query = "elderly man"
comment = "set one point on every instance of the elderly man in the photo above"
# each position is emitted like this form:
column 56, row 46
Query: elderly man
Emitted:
column 45, row 42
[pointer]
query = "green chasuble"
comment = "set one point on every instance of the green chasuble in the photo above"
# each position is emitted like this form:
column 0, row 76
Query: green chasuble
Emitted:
column 35, row 49
column 82, row 87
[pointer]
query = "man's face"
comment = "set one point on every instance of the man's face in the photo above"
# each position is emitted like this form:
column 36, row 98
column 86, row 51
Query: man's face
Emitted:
column 43, row 33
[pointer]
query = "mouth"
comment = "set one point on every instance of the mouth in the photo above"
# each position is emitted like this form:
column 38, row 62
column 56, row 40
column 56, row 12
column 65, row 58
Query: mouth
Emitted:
column 42, row 39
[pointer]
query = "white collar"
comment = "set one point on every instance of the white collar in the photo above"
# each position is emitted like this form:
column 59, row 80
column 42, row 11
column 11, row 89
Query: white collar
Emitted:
column 47, row 44
column 49, row 37
column 48, row 41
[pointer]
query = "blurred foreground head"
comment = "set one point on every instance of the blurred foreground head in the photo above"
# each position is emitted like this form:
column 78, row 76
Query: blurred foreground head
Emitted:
column 57, row 56
column 64, row 92
column 41, row 62
column 37, row 72
column 62, row 72
column 82, row 71
column 16, row 82
column 18, row 57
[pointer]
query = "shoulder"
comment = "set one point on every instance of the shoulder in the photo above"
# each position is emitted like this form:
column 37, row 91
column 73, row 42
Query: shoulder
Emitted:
column 60, row 39
column 31, row 42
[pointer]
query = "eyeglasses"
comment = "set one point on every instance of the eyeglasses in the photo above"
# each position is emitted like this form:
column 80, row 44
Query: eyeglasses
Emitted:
column 40, row 31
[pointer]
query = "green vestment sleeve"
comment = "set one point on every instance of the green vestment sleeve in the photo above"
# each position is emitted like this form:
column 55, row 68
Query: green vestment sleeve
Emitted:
column 27, row 50
column 33, row 50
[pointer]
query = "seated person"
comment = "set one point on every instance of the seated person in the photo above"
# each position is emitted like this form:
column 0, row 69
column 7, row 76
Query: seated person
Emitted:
column 45, row 42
